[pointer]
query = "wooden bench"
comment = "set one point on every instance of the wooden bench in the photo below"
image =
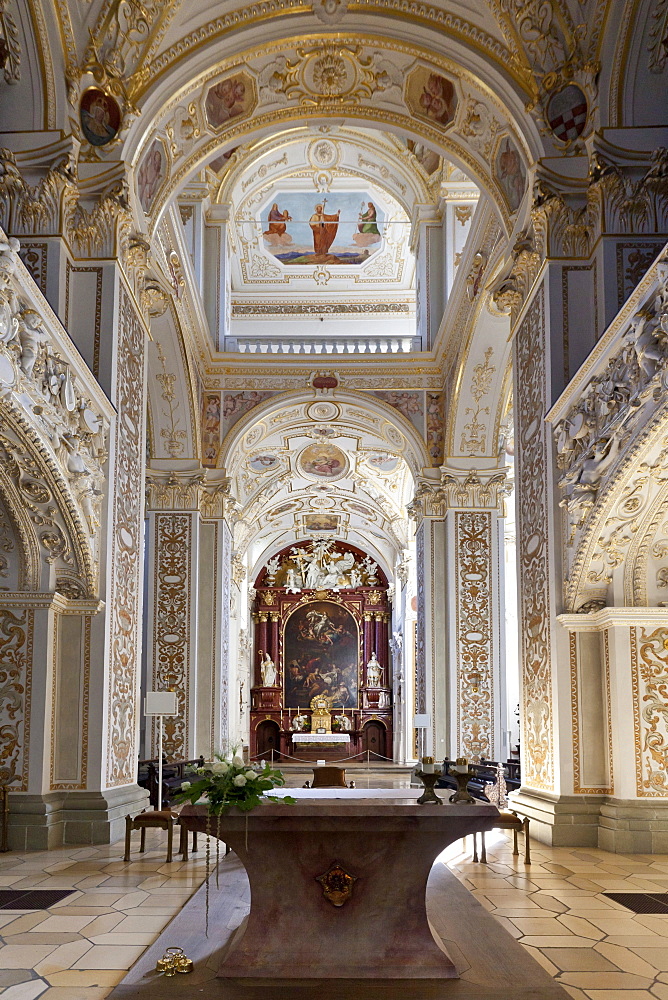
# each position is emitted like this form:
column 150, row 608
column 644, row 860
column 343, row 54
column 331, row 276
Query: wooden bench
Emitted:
column 151, row 820
column 174, row 774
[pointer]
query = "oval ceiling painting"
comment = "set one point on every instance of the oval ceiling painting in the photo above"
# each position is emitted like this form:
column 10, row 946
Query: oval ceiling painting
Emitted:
column 323, row 461
column 383, row 463
column 263, row 461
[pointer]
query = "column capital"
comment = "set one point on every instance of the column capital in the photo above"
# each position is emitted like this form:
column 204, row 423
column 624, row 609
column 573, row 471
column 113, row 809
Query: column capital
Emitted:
column 478, row 488
column 202, row 490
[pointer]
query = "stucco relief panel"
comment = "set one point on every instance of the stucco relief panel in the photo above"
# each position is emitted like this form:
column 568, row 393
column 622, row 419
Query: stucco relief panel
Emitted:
column 16, row 640
column 171, row 624
column 533, row 545
column 649, row 666
column 126, row 546
column 475, row 683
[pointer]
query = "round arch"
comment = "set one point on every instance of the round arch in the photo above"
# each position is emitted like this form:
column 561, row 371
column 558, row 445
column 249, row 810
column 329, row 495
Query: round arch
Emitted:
column 479, row 119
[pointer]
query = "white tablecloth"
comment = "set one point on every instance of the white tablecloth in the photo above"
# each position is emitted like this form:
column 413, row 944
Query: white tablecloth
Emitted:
column 320, row 737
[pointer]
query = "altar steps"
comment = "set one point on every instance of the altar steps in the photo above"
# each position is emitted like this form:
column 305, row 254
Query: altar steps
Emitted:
column 376, row 775
column 491, row 964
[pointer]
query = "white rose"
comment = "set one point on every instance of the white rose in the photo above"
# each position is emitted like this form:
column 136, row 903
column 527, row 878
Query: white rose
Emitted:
column 240, row 780
column 220, row 767
column 251, row 775
column 238, row 761
column 185, row 785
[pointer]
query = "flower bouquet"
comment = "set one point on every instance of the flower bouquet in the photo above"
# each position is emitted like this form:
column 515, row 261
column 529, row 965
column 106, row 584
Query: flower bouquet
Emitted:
column 228, row 781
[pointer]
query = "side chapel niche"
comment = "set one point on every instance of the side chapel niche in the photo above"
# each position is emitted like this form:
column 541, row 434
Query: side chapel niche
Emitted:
column 321, row 612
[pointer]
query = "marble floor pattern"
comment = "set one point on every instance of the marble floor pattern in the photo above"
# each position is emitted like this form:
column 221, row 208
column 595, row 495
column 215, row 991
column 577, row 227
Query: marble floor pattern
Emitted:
column 80, row 948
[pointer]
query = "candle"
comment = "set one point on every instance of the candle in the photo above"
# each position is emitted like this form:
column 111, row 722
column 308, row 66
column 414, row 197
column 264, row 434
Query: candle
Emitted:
column 427, row 765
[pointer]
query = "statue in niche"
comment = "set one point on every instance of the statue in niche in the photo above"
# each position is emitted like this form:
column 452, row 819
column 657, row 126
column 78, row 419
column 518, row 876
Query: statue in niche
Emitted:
column 267, row 670
column 374, row 672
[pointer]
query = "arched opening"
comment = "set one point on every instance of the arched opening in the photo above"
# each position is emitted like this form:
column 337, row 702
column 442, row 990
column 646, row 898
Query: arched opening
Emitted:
column 374, row 741
column 268, row 740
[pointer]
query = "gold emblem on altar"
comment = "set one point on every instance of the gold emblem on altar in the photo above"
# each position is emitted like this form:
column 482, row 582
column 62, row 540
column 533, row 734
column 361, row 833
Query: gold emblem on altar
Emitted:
column 321, row 719
column 337, row 884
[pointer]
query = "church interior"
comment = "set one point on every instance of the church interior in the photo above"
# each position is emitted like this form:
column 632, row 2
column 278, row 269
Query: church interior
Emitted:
column 333, row 453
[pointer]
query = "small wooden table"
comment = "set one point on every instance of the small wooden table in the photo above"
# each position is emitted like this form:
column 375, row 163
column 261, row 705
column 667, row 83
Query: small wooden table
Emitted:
column 338, row 883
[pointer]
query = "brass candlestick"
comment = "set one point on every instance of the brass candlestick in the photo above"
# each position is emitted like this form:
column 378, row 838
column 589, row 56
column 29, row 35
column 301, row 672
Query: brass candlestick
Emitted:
column 429, row 780
column 461, row 773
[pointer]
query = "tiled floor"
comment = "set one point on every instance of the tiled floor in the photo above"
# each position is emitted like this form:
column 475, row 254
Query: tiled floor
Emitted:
column 80, row 948
column 555, row 907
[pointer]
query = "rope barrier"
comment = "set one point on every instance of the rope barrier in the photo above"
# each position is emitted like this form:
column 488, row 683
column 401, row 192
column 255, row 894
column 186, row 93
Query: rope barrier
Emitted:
column 338, row 760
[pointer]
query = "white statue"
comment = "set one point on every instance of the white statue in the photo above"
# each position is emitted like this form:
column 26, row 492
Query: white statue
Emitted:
column 291, row 582
column 374, row 672
column 344, row 723
column 268, row 670
column 384, row 699
column 298, row 724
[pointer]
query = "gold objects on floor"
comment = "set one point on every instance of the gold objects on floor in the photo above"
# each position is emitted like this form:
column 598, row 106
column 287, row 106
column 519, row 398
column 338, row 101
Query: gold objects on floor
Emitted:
column 174, row 960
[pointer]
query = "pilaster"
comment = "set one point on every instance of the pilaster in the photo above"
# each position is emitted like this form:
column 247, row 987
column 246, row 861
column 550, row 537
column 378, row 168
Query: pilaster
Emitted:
column 474, row 546
column 188, row 612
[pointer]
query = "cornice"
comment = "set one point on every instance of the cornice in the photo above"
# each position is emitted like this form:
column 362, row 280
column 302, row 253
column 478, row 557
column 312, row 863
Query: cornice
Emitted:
column 598, row 621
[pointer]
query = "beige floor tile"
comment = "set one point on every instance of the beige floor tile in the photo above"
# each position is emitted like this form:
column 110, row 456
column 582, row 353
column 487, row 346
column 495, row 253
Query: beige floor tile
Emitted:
column 656, row 923
column 618, row 994
column 130, row 900
column 629, row 961
column 76, row 993
column 63, row 957
column 643, row 939
column 62, row 923
column 539, row 957
column 26, row 991
column 606, row 981
column 556, row 941
column 23, row 923
column 35, row 938
column 24, row 956
column 128, row 925
column 657, row 957
column 98, row 899
column 659, row 990
column 578, row 925
column 124, row 939
column 109, row 956
column 103, row 924
column 617, row 925
column 107, row 978
column 574, row 992
column 542, row 926
column 578, row 960
column 508, row 925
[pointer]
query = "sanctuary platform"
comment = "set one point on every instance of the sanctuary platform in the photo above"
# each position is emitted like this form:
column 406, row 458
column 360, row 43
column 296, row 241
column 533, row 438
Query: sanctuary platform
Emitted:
column 490, row 963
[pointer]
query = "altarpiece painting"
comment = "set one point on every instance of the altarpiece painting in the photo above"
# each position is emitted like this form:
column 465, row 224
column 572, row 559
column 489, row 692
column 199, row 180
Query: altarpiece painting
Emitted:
column 321, row 655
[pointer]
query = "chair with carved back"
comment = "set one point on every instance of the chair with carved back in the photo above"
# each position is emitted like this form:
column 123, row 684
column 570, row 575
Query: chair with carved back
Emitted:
column 329, row 777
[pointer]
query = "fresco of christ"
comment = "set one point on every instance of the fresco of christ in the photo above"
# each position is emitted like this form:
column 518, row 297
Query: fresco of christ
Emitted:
column 324, row 229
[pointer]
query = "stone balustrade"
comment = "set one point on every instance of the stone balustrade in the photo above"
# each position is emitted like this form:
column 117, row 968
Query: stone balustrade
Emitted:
column 324, row 345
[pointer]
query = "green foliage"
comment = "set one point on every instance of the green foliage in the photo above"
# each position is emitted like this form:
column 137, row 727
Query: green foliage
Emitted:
column 229, row 782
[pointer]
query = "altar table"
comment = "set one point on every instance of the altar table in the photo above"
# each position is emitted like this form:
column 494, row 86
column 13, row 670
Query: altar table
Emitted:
column 382, row 846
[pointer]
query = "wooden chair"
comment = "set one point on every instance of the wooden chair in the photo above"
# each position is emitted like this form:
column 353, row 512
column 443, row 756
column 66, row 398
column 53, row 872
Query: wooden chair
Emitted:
column 506, row 821
column 163, row 820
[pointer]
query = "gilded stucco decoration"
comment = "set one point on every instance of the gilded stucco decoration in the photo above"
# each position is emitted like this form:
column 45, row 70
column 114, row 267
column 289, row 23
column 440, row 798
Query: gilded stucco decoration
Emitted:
column 126, row 547
column 649, row 664
column 474, row 618
column 172, row 626
column 534, row 548
column 16, row 653
column 54, row 434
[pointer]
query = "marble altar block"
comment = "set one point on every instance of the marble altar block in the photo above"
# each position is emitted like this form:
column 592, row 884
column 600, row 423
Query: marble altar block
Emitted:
column 387, row 843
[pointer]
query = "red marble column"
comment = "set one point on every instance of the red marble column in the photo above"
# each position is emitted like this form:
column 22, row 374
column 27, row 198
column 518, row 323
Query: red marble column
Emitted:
column 368, row 643
column 378, row 640
column 262, row 637
column 273, row 652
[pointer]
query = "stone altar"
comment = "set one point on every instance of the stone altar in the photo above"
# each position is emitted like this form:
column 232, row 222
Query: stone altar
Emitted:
column 355, row 869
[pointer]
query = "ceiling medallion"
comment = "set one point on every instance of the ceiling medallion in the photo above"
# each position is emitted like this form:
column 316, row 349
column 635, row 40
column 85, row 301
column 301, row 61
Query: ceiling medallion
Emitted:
column 323, row 410
column 330, row 74
column 337, row 884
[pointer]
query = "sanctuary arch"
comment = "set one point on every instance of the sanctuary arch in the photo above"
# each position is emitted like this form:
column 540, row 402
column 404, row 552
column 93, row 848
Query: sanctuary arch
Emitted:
column 515, row 276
